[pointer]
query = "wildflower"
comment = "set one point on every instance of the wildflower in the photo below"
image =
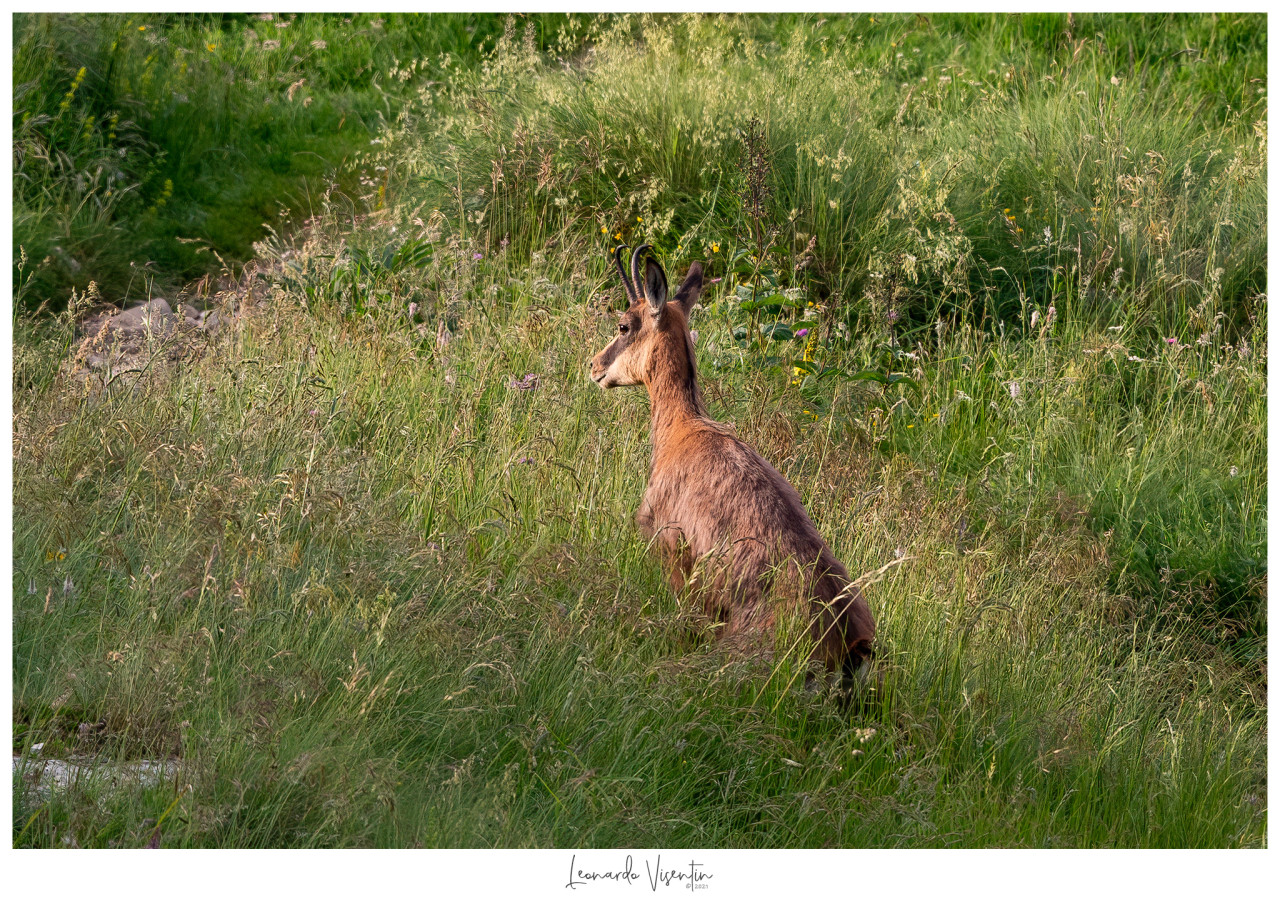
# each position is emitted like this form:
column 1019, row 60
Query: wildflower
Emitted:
column 618, row 236
column 319, row 45
column 529, row 382
column 604, row 229
column 1014, row 390
column 892, row 316
column 211, row 47
column 716, row 280
column 271, row 45
column 142, row 27
column 413, row 309
column 803, row 332
column 639, row 218
column 314, row 412
column 477, row 255
column 504, row 243
column 715, row 247
column 1035, row 317
column 1234, row 471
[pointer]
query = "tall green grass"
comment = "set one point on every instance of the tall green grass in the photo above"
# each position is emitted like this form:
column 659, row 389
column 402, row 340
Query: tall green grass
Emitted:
column 371, row 593
column 966, row 174
column 372, row 585
column 145, row 144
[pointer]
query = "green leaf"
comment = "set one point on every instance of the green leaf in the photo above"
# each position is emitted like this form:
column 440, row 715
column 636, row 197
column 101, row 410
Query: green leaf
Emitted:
column 772, row 304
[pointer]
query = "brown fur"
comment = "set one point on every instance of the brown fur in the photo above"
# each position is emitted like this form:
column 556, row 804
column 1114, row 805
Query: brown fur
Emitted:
column 725, row 522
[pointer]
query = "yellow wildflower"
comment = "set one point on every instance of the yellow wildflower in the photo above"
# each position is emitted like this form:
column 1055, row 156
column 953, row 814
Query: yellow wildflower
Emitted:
column 715, row 247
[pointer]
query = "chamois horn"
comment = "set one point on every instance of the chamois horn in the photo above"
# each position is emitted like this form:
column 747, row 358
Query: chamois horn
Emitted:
column 635, row 267
column 627, row 284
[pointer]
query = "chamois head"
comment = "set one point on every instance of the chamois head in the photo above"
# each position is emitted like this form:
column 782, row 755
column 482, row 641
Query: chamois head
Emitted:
column 649, row 323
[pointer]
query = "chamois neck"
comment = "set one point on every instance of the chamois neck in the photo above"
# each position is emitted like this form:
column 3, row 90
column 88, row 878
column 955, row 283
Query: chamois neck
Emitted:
column 672, row 381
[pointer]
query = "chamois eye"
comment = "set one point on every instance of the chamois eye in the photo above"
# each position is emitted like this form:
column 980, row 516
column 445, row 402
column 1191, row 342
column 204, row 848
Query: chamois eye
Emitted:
column 622, row 328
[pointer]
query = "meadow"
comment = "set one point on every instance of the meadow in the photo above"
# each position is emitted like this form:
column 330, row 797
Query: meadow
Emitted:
column 988, row 290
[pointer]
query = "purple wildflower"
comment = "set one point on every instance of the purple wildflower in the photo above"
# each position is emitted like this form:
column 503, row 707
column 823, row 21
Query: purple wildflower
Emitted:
column 803, row 332
column 477, row 255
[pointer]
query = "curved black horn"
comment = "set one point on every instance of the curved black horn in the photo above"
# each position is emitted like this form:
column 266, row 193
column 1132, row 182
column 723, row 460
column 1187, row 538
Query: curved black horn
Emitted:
column 635, row 266
column 632, row 294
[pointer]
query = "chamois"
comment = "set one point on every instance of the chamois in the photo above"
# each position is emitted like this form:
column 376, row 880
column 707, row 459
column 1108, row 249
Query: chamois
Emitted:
column 724, row 521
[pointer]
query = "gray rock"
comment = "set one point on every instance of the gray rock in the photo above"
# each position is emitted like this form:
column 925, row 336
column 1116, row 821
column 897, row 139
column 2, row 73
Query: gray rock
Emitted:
column 155, row 316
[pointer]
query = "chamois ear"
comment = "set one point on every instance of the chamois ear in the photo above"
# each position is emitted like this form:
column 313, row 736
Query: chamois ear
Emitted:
column 690, row 290
column 655, row 285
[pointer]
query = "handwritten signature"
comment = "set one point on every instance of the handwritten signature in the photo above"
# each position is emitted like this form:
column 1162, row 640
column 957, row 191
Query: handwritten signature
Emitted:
column 691, row 877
